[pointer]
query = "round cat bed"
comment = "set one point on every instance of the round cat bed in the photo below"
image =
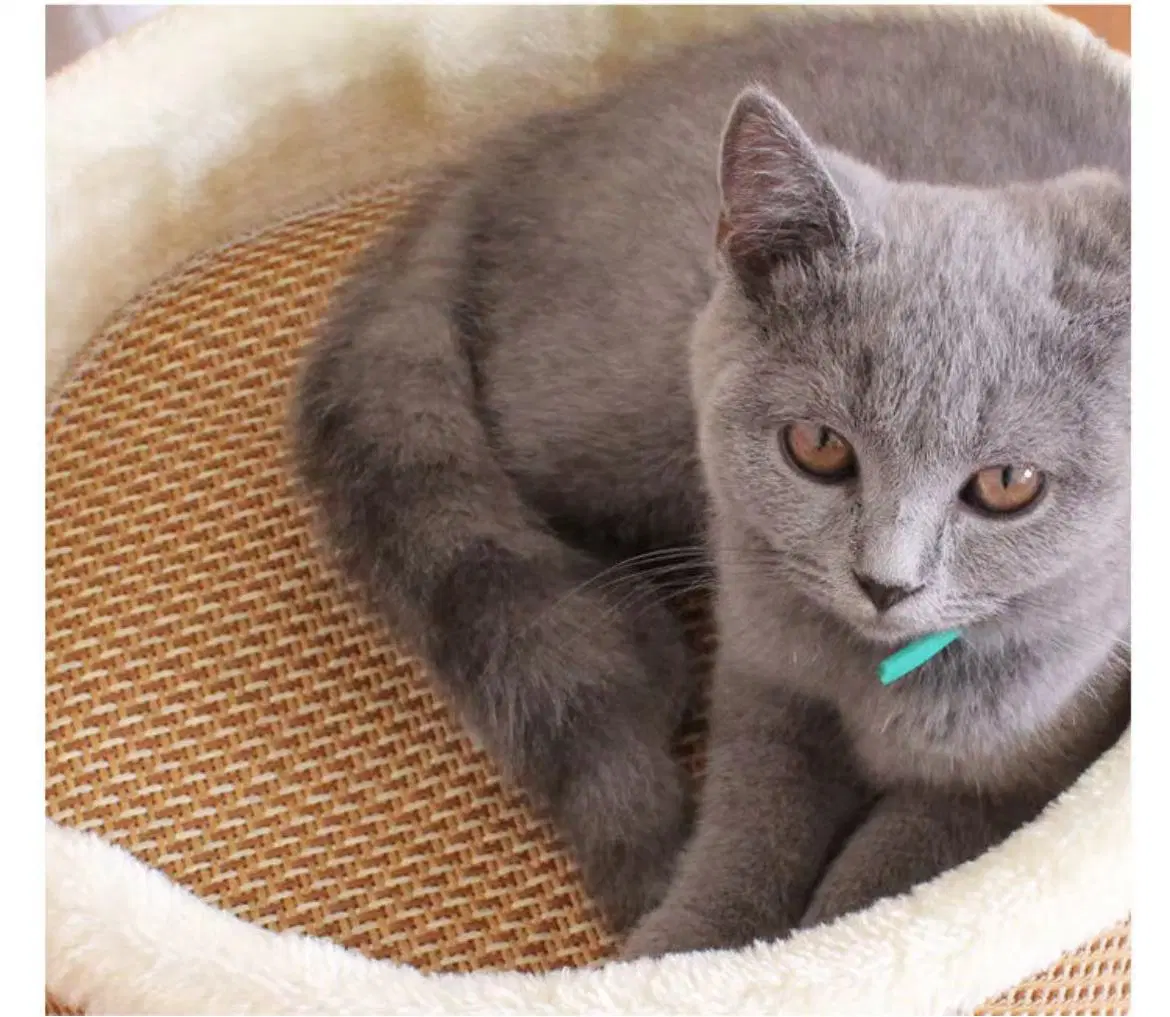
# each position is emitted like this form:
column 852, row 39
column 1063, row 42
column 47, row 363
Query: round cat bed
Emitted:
column 255, row 803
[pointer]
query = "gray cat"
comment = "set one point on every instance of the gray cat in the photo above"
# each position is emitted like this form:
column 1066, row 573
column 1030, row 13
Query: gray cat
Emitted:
column 864, row 353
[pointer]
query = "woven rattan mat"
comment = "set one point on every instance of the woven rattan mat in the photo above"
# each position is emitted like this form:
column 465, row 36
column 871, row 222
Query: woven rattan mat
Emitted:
column 219, row 706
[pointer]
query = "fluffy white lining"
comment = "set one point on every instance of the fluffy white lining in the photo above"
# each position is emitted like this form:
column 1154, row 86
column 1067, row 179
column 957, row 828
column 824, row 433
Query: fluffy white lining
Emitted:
column 212, row 121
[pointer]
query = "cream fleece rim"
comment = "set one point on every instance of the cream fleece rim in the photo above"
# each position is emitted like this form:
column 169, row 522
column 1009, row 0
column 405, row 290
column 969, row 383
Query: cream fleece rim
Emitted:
column 133, row 192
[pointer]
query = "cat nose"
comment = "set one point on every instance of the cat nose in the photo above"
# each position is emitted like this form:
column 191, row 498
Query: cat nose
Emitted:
column 883, row 595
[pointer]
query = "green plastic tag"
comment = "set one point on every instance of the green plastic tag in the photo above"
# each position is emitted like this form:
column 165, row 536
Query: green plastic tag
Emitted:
column 901, row 663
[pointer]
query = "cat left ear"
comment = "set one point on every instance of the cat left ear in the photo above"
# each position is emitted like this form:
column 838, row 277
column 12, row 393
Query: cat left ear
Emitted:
column 1091, row 209
column 779, row 202
column 1088, row 213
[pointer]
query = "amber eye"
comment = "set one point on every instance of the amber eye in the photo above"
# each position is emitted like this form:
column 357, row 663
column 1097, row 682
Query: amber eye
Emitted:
column 820, row 452
column 1004, row 490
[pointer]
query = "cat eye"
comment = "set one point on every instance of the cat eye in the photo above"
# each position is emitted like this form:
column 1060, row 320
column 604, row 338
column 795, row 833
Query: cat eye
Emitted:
column 820, row 452
column 1004, row 490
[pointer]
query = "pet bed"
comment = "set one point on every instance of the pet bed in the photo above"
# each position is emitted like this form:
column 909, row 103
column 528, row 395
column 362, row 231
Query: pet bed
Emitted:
column 254, row 802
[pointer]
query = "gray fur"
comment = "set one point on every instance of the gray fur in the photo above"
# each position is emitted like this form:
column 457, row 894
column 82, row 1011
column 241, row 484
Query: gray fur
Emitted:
column 585, row 346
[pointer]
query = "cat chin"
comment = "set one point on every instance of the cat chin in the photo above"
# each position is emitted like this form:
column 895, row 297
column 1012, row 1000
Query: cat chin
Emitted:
column 879, row 630
column 885, row 635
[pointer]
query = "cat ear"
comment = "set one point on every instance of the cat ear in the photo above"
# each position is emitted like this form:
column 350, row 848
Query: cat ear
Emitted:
column 1091, row 211
column 1089, row 215
column 779, row 202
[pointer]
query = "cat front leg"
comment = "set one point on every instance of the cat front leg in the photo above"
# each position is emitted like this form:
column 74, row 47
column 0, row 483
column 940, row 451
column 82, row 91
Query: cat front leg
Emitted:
column 910, row 836
column 776, row 800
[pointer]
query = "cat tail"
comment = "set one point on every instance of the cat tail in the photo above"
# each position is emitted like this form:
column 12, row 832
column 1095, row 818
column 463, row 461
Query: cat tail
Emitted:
column 567, row 696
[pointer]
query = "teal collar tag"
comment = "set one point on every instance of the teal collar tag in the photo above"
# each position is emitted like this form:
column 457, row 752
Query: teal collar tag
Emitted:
column 902, row 662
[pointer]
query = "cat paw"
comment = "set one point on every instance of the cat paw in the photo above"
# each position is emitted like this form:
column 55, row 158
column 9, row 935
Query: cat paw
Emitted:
column 628, row 889
column 829, row 903
column 654, row 937
column 627, row 834
column 667, row 930
column 696, row 917
column 819, row 913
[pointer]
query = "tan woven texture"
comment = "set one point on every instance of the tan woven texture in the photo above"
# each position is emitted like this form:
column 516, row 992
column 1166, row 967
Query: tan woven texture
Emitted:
column 218, row 704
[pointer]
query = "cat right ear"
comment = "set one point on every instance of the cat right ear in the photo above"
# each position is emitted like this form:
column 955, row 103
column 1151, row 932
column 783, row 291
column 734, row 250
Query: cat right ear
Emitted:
column 1088, row 214
column 779, row 202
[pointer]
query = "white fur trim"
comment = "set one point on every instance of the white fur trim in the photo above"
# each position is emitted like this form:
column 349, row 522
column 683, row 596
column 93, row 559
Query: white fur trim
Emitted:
column 208, row 122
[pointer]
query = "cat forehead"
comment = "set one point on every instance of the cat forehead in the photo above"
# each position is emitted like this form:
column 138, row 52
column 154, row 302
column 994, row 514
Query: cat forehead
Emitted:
column 933, row 239
column 929, row 413
column 950, row 358
column 962, row 348
column 924, row 309
column 942, row 273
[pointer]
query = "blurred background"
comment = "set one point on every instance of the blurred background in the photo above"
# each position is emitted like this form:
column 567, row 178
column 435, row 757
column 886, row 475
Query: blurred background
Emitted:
column 1110, row 21
column 72, row 29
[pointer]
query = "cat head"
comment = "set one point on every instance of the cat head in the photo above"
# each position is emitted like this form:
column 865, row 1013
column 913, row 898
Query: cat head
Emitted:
column 915, row 398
